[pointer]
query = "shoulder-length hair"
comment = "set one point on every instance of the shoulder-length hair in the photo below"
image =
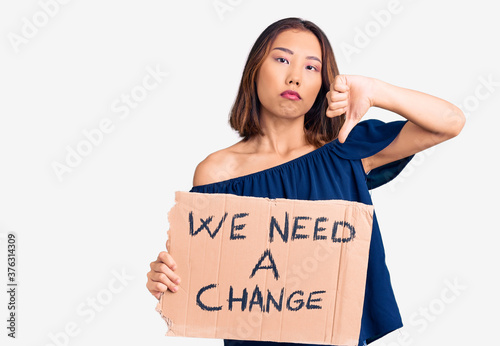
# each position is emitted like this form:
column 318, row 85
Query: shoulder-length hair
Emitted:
column 244, row 117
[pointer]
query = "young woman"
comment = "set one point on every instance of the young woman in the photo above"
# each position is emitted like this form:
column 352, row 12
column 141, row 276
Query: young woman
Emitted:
column 303, row 139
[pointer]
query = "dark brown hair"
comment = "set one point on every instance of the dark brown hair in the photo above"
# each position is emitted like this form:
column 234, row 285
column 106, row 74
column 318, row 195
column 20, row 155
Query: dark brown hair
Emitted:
column 244, row 117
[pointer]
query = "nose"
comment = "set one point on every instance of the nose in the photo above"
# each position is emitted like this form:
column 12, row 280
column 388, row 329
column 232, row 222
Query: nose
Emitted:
column 293, row 77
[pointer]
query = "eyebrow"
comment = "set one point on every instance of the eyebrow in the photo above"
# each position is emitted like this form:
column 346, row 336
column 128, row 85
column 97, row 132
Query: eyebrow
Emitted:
column 286, row 50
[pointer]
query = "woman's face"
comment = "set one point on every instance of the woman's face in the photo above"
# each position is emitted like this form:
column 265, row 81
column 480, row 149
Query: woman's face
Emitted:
column 293, row 63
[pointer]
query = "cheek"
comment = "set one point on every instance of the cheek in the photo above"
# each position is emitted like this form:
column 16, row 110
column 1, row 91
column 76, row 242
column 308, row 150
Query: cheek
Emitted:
column 264, row 85
column 261, row 91
column 313, row 94
column 265, row 76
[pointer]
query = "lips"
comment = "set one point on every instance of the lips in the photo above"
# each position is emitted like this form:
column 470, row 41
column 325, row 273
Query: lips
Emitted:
column 291, row 95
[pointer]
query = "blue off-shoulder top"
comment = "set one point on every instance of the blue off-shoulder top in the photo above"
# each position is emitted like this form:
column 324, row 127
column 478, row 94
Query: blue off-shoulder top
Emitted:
column 335, row 171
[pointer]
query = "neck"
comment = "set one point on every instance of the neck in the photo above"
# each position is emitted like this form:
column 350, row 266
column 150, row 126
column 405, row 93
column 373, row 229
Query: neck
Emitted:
column 281, row 136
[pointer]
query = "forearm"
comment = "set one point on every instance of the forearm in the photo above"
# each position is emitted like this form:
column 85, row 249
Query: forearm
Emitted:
column 429, row 112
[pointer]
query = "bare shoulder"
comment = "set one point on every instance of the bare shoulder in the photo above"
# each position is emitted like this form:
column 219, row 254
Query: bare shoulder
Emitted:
column 218, row 166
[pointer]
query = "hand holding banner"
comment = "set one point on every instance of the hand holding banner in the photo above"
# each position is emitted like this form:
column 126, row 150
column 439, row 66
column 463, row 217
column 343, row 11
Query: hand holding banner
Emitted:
column 242, row 262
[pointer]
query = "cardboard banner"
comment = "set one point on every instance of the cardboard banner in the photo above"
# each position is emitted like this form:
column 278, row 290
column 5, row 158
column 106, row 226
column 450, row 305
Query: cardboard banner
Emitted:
column 267, row 269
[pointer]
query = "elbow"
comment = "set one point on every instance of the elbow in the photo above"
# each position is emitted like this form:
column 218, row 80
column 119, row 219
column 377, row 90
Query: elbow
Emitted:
column 455, row 122
column 459, row 122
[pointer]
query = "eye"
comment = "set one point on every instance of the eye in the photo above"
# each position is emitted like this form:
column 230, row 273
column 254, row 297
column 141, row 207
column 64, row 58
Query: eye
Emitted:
column 282, row 60
column 311, row 67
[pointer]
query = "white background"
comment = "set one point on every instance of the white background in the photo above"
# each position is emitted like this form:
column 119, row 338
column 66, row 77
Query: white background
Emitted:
column 109, row 214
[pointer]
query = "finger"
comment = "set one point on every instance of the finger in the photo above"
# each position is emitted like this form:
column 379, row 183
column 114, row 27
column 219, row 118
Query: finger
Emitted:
column 346, row 129
column 336, row 96
column 338, row 105
column 335, row 113
column 162, row 268
column 156, row 280
column 156, row 288
column 163, row 278
column 340, row 83
column 166, row 258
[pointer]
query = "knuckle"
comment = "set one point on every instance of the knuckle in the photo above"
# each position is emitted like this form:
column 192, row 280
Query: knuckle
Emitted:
column 160, row 258
column 163, row 277
column 158, row 287
column 165, row 257
column 162, row 267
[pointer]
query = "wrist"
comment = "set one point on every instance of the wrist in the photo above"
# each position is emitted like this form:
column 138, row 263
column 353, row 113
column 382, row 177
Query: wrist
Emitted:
column 378, row 90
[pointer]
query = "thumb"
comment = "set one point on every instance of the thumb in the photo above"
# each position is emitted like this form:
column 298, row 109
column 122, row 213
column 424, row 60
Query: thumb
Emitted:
column 346, row 129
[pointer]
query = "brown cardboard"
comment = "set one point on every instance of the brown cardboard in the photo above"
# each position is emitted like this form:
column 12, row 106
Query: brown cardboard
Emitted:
column 328, row 276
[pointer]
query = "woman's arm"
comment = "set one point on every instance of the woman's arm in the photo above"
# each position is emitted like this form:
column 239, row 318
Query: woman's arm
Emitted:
column 431, row 120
